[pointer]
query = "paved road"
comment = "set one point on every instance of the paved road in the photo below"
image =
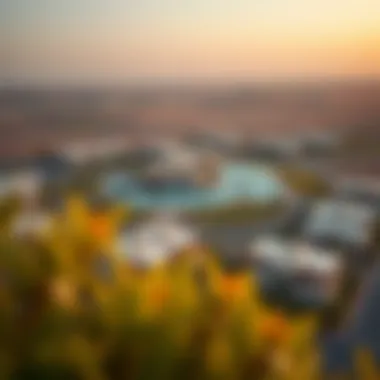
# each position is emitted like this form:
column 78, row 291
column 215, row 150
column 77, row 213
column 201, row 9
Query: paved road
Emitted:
column 361, row 327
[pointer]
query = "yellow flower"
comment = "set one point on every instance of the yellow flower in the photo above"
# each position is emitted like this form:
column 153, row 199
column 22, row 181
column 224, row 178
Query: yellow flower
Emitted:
column 235, row 288
column 275, row 329
column 101, row 227
column 157, row 297
column 76, row 214
column 153, row 292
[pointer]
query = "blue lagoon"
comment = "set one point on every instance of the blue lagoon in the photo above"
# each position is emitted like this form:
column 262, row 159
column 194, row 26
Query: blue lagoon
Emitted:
column 236, row 182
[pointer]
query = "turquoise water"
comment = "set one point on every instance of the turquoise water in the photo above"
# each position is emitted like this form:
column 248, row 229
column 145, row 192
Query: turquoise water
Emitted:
column 236, row 182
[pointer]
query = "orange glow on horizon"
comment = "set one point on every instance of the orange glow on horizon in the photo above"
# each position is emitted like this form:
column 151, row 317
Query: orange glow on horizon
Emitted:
column 212, row 39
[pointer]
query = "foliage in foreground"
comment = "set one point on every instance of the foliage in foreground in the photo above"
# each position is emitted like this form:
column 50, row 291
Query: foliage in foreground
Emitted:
column 71, row 309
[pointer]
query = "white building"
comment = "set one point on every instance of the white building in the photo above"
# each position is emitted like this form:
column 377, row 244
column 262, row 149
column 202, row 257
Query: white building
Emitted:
column 349, row 222
column 297, row 260
column 31, row 224
column 156, row 241
column 83, row 152
column 295, row 256
column 26, row 183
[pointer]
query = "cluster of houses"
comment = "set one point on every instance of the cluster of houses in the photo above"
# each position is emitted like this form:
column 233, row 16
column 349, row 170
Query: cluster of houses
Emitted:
column 309, row 264
column 334, row 234
column 56, row 164
column 176, row 156
column 27, row 178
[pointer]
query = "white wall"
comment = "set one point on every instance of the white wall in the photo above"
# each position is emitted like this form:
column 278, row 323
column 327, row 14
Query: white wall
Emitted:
column 26, row 184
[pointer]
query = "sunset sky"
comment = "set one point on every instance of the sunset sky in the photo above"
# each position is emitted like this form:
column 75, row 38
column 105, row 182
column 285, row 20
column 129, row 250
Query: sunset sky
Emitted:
column 112, row 41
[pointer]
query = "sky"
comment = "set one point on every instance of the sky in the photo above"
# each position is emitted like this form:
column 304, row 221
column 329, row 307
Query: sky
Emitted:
column 116, row 41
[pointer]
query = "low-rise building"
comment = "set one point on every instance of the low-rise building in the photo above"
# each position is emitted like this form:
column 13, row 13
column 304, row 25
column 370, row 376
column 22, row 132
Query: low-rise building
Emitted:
column 31, row 223
column 156, row 241
column 342, row 222
column 310, row 274
column 26, row 184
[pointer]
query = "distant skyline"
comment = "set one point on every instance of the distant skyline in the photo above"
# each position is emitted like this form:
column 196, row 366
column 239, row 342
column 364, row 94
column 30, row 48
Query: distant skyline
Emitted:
column 148, row 41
